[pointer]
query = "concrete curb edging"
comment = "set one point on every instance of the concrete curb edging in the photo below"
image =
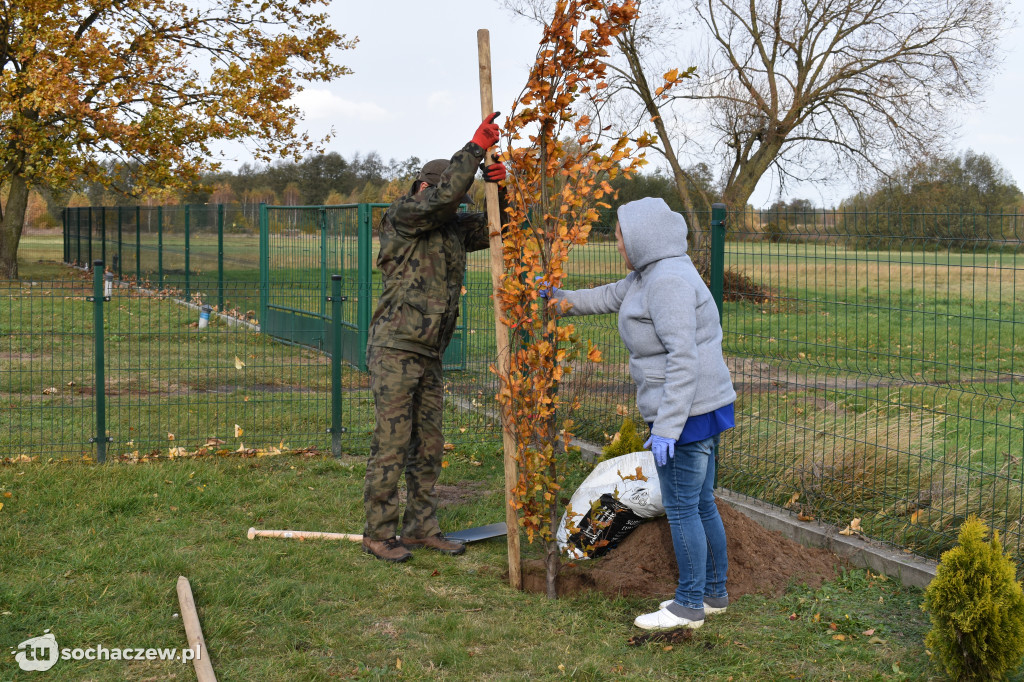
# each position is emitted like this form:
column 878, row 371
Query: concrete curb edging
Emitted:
column 911, row 570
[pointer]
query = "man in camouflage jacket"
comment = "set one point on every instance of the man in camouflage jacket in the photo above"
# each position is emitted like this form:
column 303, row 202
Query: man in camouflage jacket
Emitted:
column 423, row 245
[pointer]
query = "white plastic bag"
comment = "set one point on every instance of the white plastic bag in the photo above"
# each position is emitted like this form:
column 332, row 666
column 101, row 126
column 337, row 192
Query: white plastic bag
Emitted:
column 618, row 495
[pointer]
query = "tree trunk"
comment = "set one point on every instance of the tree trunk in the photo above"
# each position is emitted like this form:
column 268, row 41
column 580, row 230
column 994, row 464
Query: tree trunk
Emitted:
column 639, row 85
column 744, row 180
column 552, row 560
column 11, row 225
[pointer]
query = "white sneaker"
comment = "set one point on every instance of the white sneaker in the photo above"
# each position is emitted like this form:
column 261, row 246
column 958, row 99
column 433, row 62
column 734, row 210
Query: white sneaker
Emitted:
column 708, row 610
column 663, row 619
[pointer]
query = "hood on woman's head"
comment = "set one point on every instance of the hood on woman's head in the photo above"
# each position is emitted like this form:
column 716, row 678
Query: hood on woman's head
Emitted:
column 651, row 231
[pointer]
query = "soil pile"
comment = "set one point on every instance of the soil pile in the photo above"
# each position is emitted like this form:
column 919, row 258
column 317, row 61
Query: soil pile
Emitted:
column 644, row 564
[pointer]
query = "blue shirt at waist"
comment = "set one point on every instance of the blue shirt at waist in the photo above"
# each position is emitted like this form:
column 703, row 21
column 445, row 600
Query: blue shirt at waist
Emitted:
column 701, row 426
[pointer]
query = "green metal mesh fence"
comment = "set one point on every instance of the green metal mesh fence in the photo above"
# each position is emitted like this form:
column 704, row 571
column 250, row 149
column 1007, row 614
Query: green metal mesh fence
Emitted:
column 878, row 358
column 879, row 370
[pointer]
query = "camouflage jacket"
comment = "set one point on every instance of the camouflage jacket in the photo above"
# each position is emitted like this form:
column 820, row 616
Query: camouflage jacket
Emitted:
column 422, row 259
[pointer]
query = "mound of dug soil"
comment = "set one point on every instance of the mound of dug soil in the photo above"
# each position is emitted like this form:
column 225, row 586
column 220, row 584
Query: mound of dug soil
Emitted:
column 644, row 564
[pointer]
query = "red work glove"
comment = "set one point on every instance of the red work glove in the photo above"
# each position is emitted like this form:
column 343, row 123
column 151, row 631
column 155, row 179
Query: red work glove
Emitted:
column 495, row 172
column 487, row 134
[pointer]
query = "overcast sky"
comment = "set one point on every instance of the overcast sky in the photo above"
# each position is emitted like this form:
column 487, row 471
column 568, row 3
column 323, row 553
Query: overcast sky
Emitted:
column 415, row 87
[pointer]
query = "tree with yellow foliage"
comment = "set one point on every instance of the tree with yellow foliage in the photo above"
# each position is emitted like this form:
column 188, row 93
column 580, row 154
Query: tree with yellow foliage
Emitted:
column 150, row 83
column 560, row 160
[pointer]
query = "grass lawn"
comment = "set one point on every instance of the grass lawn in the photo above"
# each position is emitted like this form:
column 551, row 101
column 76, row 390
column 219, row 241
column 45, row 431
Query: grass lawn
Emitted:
column 93, row 553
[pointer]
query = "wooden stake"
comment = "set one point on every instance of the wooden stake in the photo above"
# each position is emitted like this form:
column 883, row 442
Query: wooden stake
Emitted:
column 515, row 575
column 194, row 632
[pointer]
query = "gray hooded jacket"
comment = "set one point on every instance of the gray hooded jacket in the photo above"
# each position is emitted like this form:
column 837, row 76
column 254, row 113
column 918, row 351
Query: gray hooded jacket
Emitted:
column 667, row 320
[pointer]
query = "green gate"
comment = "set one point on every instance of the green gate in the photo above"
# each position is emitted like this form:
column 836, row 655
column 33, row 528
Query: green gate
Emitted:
column 300, row 248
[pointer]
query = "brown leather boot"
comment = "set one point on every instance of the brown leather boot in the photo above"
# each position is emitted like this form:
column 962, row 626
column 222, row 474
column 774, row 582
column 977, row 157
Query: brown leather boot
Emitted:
column 391, row 549
column 436, row 542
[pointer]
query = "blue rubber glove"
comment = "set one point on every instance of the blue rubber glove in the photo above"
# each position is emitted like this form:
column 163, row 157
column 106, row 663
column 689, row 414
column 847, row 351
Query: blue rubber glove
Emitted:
column 546, row 289
column 664, row 449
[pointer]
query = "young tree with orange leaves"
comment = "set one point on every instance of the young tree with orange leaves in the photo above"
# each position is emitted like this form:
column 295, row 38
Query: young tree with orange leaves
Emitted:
column 149, row 83
column 560, row 161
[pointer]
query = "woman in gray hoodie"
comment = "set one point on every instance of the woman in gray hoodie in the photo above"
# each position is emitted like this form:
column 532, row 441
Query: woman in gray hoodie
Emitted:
column 669, row 323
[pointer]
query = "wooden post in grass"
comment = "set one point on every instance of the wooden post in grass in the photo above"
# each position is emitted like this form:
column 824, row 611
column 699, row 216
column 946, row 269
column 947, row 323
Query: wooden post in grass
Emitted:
column 515, row 576
column 194, row 632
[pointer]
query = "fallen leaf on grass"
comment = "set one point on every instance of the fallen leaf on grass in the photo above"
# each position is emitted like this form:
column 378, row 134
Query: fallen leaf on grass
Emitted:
column 1, row 506
column 444, row 464
column 876, row 640
column 238, row 431
column 803, row 516
column 449, row 446
column 50, row 391
column 238, row 363
column 170, row 436
column 7, row 494
column 841, row 638
column 792, row 501
column 913, row 517
column 868, row 633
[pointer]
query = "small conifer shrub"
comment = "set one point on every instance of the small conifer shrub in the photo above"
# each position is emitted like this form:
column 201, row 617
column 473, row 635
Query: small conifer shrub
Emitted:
column 627, row 440
column 976, row 607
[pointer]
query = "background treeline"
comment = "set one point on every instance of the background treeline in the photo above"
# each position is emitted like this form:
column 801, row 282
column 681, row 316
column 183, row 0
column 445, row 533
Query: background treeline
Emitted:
column 953, row 201
column 940, row 202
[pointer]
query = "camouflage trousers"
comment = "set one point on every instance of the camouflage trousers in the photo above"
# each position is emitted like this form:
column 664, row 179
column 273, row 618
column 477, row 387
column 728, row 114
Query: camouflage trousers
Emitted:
column 408, row 394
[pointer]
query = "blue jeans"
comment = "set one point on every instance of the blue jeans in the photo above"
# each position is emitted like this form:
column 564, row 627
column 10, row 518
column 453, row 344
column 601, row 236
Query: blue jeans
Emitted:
column 698, row 535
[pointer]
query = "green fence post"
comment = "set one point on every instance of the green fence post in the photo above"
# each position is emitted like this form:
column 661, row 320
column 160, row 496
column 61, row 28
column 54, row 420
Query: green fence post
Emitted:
column 138, row 245
column 97, row 300
column 264, row 266
column 365, row 283
column 159, row 247
column 220, row 257
column 717, row 275
column 718, row 254
column 103, row 234
column 89, row 209
column 78, row 236
column 322, row 214
column 188, row 227
column 64, row 231
column 336, row 428
column 120, row 234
